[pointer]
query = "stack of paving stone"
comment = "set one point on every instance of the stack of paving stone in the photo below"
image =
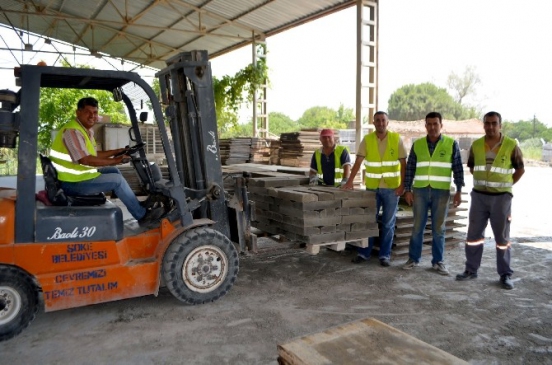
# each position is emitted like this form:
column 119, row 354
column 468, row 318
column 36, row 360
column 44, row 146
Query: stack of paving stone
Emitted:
column 235, row 150
column 313, row 215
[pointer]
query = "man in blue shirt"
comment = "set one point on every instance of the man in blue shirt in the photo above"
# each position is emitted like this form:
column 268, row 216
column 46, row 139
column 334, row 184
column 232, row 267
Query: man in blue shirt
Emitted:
column 431, row 162
column 331, row 164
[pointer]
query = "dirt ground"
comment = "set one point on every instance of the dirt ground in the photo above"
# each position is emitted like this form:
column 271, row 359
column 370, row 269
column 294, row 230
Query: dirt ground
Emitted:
column 284, row 292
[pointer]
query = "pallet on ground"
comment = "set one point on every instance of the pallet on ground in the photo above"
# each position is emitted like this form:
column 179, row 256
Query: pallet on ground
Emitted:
column 360, row 342
column 314, row 249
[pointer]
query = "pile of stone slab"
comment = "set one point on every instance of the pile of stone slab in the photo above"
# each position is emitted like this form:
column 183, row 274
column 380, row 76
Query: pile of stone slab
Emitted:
column 312, row 215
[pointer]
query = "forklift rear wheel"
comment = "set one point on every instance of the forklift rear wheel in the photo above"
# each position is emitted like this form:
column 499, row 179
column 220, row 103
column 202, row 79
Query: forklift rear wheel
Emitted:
column 200, row 266
column 18, row 302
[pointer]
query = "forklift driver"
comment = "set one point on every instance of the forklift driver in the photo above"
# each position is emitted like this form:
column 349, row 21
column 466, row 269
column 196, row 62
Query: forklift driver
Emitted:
column 84, row 171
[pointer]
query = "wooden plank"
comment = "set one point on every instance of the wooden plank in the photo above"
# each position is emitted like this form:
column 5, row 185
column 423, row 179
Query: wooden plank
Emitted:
column 359, row 341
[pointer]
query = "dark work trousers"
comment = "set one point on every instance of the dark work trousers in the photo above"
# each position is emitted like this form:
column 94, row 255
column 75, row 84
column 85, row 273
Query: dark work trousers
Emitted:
column 496, row 209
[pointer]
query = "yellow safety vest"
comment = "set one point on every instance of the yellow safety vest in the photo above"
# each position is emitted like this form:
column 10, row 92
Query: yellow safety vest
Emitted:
column 338, row 172
column 59, row 155
column 387, row 167
column 433, row 170
column 499, row 177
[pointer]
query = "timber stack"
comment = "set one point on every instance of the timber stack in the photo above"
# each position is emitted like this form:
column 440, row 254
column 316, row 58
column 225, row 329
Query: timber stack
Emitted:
column 235, row 150
column 260, row 151
column 298, row 147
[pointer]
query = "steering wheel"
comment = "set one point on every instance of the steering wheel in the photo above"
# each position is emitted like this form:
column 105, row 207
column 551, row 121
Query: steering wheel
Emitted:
column 131, row 150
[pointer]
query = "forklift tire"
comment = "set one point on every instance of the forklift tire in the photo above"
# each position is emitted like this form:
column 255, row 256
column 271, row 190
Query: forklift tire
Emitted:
column 200, row 266
column 18, row 302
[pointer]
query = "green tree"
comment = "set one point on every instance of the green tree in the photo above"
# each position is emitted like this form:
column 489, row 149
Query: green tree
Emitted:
column 321, row 117
column 280, row 123
column 345, row 115
column 463, row 85
column 231, row 92
column 413, row 102
column 527, row 129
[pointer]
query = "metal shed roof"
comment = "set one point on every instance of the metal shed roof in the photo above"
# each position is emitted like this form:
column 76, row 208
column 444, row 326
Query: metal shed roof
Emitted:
column 150, row 31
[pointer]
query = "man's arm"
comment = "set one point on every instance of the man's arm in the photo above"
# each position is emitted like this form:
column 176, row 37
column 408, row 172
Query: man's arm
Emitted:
column 110, row 153
column 103, row 161
column 471, row 160
column 354, row 170
column 458, row 173
column 400, row 190
column 75, row 142
column 346, row 163
column 410, row 171
column 518, row 164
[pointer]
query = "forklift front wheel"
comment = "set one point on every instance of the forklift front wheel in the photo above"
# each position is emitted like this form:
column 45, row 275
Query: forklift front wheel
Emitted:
column 200, row 266
column 18, row 302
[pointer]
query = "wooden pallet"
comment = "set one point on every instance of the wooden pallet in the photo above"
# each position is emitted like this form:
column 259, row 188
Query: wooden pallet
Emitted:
column 314, row 249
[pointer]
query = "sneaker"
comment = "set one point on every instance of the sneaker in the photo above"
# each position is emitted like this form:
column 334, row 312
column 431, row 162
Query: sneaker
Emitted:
column 151, row 216
column 385, row 262
column 358, row 260
column 506, row 282
column 441, row 268
column 410, row 264
column 466, row 275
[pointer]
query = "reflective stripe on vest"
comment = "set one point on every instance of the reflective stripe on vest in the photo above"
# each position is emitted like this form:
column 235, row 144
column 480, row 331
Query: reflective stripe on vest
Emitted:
column 59, row 155
column 387, row 167
column 434, row 170
column 499, row 177
column 338, row 171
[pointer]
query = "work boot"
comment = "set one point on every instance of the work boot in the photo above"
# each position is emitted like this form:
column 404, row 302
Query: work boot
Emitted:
column 506, row 282
column 384, row 262
column 410, row 264
column 151, row 216
column 358, row 260
column 441, row 268
column 466, row 275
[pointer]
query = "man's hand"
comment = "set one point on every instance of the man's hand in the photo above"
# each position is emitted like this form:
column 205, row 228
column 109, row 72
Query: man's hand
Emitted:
column 409, row 197
column 343, row 182
column 313, row 180
column 400, row 190
column 457, row 199
column 347, row 186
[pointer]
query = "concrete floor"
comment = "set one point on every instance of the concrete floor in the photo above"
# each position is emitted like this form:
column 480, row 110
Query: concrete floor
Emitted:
column 283, row 292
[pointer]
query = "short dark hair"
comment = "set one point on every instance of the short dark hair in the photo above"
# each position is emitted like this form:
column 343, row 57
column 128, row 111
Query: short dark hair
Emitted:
column 493, row 114
column 435, row 115
column 381, row 113
column 89, row 101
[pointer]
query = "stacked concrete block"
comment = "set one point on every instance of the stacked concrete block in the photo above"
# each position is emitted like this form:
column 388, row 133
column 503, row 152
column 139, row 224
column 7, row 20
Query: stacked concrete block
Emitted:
column 313, row 215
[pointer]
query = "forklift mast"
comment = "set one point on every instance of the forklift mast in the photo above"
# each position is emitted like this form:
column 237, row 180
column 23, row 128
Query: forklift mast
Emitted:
column 187, row 94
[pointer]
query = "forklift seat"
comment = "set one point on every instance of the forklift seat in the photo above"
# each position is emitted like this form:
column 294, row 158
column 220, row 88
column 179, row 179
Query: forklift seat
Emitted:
column 55, row 193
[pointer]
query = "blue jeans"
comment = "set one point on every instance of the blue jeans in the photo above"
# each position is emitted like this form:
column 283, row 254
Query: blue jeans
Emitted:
column 388, row 202
column 110, row 179
column 436, row 200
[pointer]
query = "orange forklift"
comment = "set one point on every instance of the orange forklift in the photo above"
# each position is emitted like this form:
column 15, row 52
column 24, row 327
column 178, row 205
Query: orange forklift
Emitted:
column 80, row 251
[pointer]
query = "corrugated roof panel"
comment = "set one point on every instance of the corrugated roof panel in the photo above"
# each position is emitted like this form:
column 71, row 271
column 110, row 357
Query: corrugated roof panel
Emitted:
column 149, row 32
